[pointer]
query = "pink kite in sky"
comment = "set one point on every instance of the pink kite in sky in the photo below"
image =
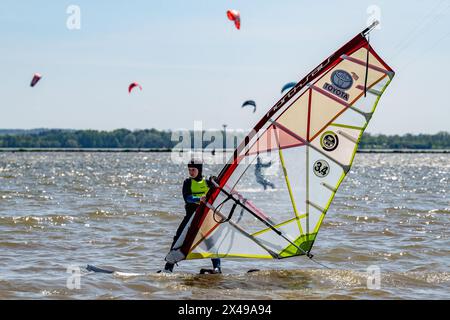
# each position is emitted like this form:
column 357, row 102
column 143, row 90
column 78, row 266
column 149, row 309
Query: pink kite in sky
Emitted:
column 134, row 85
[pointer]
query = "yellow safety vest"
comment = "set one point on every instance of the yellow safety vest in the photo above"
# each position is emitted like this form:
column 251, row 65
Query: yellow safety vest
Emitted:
column 199, row 188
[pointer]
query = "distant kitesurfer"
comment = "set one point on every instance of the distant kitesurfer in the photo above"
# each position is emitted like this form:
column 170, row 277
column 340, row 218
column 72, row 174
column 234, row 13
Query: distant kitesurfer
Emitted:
column 195, row 189
column 259, row 176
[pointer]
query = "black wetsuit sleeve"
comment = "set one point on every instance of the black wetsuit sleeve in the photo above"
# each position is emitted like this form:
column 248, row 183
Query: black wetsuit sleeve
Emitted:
column 266, row 165
column 209, row 183
column 186, row 189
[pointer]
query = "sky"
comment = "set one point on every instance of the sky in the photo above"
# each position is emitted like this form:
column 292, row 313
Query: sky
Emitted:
column 194, row 65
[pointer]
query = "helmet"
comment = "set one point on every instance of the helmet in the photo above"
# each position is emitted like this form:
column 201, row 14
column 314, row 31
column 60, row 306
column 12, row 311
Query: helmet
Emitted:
column 196, row 163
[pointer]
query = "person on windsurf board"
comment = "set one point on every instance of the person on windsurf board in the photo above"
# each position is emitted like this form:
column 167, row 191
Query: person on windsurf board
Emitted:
column 195, row 189
column 259, row 175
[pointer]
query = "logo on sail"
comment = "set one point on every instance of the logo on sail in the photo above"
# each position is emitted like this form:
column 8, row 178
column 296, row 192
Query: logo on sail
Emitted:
column 340, row 82
column 329, row 141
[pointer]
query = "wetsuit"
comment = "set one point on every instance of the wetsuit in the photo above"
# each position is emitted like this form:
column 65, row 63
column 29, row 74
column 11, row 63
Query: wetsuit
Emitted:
column 193, row 190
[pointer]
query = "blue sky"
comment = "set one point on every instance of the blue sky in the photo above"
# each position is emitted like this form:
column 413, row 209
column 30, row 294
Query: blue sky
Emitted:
column 194, row 65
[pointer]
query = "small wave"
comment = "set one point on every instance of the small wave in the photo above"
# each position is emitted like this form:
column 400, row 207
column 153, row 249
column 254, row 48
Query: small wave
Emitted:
column 8, row 176
column 362, row 219
column 31, row 221
column 389, row 233
column 328, row 223
column 106, row 214
column 431, row 277
column 133, row 194
column 403, row 210
column 16, row 245
column 444, row 210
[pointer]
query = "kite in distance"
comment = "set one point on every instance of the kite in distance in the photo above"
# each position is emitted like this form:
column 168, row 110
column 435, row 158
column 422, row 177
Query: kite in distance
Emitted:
column 288, row 86
column 134, row 85
column 235, row 16
column 35, row 80
column 250, row 103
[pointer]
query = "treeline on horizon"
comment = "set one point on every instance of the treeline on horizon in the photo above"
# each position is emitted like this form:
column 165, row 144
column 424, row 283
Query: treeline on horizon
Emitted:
column 152, row 138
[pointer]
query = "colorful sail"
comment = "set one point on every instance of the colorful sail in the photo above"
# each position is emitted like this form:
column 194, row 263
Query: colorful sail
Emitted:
column 312, row 132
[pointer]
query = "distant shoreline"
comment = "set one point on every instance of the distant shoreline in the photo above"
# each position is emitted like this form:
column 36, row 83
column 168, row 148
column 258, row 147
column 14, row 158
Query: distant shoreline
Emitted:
column 162, row 150
column 152, row 140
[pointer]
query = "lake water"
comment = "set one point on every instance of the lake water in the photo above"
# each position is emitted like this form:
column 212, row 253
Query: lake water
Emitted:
column 62, row 211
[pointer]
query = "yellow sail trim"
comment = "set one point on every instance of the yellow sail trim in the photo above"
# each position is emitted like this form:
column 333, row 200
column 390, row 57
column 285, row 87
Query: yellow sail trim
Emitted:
column 206, row 255
column 279, row 225
column 304, row 242
column 346, row 126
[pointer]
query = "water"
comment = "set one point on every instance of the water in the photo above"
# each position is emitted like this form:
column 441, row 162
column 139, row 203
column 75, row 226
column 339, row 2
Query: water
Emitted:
column 120, row 210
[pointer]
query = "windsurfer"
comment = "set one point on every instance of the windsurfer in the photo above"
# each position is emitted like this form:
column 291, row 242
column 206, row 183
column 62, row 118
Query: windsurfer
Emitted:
column 259, row 176
column 195, row 189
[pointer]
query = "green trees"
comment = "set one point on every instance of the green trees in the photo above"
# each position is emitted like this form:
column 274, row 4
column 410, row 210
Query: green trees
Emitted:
column 439, row 140
column 152, row 138
column 120, row 138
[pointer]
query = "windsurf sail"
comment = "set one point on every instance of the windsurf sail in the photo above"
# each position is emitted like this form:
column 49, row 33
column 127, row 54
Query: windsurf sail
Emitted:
column 313, row 133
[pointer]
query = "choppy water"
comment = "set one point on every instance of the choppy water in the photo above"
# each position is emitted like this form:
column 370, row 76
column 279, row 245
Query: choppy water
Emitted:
column 121, row 209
